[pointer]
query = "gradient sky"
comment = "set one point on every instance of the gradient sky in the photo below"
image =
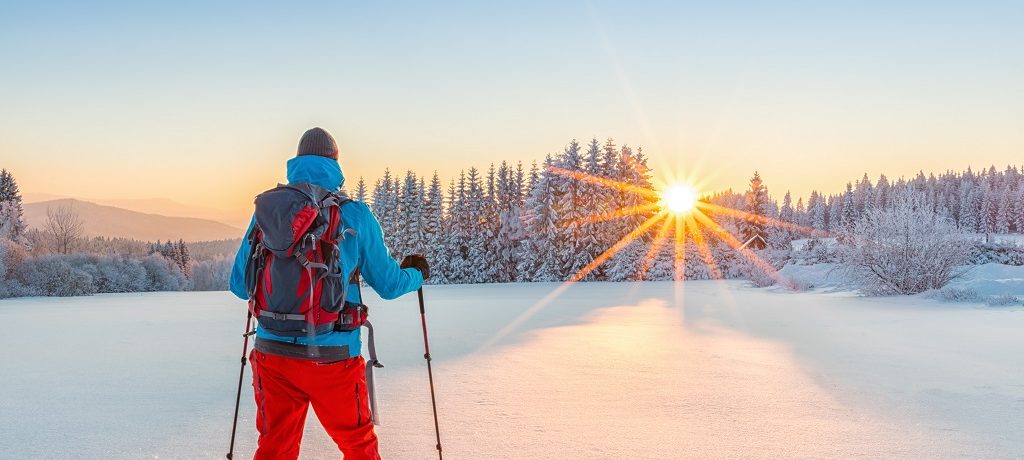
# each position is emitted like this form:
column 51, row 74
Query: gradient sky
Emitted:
column 202, row 102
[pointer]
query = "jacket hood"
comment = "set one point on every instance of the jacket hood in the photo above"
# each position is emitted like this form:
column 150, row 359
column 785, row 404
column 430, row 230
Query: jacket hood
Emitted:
column 318, row 170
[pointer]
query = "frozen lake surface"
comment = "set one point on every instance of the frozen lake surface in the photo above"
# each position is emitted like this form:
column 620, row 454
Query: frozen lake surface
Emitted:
column 607, row 370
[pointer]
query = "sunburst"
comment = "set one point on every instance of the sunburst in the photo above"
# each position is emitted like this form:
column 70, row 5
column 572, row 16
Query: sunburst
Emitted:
column 676, row 213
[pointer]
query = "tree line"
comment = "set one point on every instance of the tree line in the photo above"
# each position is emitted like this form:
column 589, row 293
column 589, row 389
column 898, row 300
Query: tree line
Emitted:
column 59, row 260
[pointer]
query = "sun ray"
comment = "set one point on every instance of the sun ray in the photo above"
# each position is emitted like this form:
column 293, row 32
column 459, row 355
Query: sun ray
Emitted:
column 702, row 247
column 622, row 243
column 738, row 247
column 735, row 213
column 582, row 176
column 617, row 214
column 652, row 252
column 679, row 264
column 576, row 277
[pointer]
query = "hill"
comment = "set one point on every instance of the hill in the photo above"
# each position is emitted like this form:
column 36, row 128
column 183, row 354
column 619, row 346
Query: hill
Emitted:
column 111, row 221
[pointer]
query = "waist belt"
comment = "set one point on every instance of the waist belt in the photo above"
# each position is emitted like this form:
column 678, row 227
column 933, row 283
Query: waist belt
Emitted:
column 295, row 350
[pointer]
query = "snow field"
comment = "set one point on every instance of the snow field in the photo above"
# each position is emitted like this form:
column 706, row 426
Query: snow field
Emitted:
column 609, row 370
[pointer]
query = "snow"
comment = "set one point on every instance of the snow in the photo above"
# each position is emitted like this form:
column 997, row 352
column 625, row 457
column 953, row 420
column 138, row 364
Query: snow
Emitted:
column 981, row 281
column 608, row 370
column 817, row 276
column 992, row 280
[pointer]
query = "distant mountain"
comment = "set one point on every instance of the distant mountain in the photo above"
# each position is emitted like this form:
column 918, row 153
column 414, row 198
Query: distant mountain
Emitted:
column 111, row 221
column 161, row 206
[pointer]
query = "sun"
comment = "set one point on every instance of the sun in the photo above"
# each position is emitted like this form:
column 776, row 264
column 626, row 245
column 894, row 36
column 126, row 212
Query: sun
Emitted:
column 679, row 198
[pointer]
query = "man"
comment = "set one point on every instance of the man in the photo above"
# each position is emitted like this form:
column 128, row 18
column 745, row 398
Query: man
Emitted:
column 325, row 370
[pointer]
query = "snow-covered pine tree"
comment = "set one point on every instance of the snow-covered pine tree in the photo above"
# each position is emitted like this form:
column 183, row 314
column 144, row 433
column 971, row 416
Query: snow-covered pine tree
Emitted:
column 1018, row 213
column 589, row 200
column 573, row 244
column 12, row 219
column 862, row 196
column 410, row 239
column 756, row 206
column 848, row 215
column 360, row 192
column 800, row 213
column 968, row 218
column 817, row 212
column 433, row 232
column 881, row 192
column 478, row 261
column 537, row 252
column 385, row 207
column 989, row 206
column 786, row 211
column 1003, row 210
column 632, row 170
column 183, row 258
column 489, row 226
column 510, row 231
column 835, row 213
column 456, row 232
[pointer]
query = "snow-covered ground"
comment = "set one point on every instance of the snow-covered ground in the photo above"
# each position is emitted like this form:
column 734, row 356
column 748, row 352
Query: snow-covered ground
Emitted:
column 605, row 371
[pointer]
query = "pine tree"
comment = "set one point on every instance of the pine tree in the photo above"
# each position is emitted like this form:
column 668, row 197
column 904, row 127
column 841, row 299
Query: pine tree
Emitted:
column 453, row 235
column 434, row 232
column 477, row 259
column 410, row 232
column 361, row 192
column 1017, row 208
column 987, row 221
column 862, row 196
column 510, row 232
column 1003, row 210
column 573, row 244
column 183, row 259
column 967, row 219
column 756, row 204
column 786, row 213
column 817, row 211
column 537, row 252
column 848, row 216
column 12, row 218
column 835, row 213
column 385, row 207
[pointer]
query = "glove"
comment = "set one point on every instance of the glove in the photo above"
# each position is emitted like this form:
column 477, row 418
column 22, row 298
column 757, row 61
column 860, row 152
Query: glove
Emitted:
column 418, row 262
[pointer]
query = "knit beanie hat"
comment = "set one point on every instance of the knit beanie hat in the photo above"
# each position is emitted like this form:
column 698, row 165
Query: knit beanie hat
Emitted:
column 319, row 142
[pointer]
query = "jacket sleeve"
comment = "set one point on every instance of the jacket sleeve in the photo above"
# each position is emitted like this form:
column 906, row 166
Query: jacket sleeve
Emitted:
column 381, row 272
column 238, row 269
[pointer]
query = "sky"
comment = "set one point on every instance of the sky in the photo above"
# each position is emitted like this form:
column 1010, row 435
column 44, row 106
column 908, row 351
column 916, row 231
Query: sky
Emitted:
column 203, row 102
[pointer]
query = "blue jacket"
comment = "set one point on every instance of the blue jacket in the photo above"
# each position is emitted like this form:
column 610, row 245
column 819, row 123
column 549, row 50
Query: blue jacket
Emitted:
column 365, row 251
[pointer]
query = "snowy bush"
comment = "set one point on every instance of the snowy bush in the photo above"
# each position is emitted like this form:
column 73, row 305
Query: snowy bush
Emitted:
column 816, row 251
column 211, row 275
column 54, row 276
column 904, row 249
column 956, row 294
column 1005, row 253
column 163, row 274
column 1003, row 300
column 767, row 274
column 120, row 275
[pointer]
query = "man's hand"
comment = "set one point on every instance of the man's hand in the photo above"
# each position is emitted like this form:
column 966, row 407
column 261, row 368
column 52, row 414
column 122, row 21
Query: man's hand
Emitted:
column 418, row 262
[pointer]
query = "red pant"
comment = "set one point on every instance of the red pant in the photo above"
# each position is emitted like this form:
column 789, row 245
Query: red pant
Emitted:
column 285, row 388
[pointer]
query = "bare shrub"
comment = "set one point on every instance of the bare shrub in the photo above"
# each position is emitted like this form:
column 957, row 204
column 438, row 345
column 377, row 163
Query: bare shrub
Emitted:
column 905, row 249
column 64, row 227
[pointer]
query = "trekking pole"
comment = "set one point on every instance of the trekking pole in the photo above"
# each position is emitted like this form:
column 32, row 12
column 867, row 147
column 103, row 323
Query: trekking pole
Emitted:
column 430, row 373
column 241, row 373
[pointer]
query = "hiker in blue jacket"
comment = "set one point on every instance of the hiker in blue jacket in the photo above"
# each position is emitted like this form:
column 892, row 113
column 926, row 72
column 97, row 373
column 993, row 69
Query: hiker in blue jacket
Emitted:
column 287, row 377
